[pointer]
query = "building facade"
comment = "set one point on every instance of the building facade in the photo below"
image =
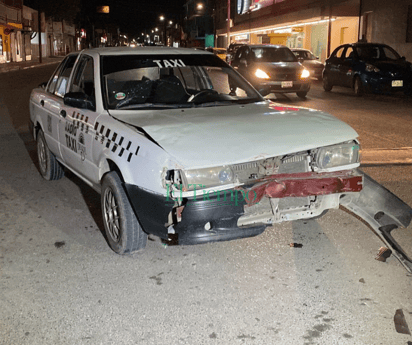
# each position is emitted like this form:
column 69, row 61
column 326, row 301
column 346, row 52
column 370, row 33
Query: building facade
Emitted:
column 11, row 43
column 318, row 25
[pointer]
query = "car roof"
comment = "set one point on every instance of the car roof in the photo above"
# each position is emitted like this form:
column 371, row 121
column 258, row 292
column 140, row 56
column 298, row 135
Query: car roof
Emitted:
column 110, row 51
column 299, row 49
column 266, row 46
column 365, row 44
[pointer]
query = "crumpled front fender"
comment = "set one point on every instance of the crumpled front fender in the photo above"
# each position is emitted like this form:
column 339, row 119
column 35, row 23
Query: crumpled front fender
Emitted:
column 383, row 211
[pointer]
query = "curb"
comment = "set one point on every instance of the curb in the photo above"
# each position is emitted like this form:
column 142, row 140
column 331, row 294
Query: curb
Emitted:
column 18, row 68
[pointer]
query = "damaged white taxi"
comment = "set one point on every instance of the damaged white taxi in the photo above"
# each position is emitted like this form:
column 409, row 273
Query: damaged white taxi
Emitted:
column 180, row 146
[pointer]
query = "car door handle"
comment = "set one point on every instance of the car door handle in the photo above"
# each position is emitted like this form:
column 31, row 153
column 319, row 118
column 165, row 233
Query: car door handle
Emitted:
column 63, row 113
column 42, row 103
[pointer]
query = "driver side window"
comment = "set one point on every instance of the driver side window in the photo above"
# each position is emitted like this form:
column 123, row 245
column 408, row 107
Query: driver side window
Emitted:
column 58, row 83
column 83, row 80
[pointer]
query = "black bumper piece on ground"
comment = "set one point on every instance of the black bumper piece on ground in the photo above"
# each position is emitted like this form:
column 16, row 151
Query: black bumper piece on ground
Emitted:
column 222, row 214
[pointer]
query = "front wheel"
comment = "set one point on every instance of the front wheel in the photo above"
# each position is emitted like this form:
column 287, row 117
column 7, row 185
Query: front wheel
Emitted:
column 302, row 94
column 358, row 87
column 49, row 167
column 327, row 86
column 123, row 231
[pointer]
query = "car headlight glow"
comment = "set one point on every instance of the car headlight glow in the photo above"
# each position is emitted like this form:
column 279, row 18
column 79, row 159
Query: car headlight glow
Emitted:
column 337, row 155
column 305, row 74
column 371, row 68
column 208, row 177
column 261, row 74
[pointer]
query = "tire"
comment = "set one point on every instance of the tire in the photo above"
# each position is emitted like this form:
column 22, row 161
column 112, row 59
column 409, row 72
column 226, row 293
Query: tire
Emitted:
column 358, row 87
column 327, row 86
column 49, row 167
column 302, row 94
column 123, row 231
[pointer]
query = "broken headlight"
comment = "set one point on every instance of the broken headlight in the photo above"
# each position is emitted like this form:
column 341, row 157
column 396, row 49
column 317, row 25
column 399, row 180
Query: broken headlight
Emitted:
column 208, row 177
column 337, row 155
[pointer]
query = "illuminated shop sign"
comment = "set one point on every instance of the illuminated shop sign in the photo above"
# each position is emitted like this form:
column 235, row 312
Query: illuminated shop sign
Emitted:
column 243, row 6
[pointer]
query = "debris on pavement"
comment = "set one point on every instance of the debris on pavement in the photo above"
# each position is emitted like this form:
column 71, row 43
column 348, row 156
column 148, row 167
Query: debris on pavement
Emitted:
column 383, row 254
column 400, row 323
column 297, row 245
column 362, row 280
column 59, row 244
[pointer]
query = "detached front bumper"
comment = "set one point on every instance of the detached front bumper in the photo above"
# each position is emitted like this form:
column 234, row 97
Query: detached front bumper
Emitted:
column 247, row 211
column 384, row 212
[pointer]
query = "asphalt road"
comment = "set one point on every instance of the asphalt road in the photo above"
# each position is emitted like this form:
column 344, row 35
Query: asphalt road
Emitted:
column 61, row 284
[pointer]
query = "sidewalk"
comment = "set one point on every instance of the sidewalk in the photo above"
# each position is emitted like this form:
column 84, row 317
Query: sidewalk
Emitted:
column 15, row 66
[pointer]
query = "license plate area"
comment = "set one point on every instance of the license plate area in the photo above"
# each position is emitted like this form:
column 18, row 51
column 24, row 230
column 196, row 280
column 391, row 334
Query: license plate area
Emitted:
column 397, row 83
column 287, row 84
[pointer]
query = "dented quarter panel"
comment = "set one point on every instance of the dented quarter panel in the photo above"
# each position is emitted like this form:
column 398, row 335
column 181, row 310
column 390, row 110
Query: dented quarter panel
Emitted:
column 384, row 212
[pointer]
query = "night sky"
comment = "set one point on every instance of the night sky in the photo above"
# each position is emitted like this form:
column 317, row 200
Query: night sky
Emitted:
column 136, row 16
column 131, row 16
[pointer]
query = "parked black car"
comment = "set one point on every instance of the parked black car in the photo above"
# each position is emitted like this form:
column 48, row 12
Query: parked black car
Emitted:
column 367, row 67
column 310, row 61
column 272, row 69
column 231, row 51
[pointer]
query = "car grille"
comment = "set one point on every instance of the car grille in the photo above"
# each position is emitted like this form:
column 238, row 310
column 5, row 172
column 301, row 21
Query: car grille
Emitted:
column 286, row 76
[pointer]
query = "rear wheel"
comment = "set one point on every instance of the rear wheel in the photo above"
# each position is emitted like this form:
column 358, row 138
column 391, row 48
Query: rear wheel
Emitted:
column 302, row 94
column 123, row 231
column 49, row 167
column 327, row 86
column 358, row 87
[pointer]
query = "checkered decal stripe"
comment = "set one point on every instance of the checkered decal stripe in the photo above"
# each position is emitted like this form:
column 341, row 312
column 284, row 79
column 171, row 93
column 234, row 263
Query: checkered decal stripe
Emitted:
column 118, row 144
column 81, row 121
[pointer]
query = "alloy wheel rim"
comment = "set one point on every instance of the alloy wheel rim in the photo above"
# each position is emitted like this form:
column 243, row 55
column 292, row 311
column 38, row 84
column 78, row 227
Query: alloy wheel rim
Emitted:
column 111, row 215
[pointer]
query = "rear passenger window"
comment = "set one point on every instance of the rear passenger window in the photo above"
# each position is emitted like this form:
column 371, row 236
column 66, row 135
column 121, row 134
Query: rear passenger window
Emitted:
column 338, row 53
column 349, row 53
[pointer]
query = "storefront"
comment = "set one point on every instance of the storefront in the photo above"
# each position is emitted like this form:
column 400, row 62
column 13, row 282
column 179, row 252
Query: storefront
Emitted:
column 311, row 34
column 11, row 42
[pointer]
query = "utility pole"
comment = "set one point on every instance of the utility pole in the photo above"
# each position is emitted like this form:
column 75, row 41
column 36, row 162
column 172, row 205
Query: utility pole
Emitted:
column 39, row 30
column 228, row 23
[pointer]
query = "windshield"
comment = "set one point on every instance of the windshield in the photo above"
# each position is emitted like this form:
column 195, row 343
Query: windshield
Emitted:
column 273, row 55
column 304, row 54
column 377, row 52
column 171, row 81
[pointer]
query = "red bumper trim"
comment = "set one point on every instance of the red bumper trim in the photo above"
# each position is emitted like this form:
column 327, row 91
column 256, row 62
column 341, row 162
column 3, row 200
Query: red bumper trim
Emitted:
column 304, row 184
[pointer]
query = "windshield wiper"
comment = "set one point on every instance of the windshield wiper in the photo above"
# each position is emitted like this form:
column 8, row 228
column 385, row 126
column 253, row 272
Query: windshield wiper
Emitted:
column 154, row 106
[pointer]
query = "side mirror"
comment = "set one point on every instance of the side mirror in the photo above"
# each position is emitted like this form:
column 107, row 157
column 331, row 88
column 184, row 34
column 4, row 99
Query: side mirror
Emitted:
column 243, row 62
column 317, row 57
column 78, row 100
column 43, row 85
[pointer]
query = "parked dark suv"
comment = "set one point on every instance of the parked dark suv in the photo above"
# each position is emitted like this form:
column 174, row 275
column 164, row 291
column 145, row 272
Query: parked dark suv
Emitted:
column 272, row 69
column 367, row 67
column 231, row 51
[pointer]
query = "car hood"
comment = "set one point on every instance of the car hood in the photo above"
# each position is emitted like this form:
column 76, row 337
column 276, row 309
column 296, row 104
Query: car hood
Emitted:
column 213, row 136
column 392, row 66
column 312, row 64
